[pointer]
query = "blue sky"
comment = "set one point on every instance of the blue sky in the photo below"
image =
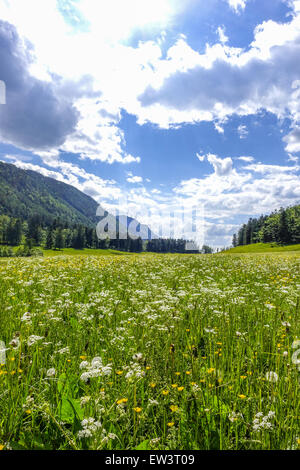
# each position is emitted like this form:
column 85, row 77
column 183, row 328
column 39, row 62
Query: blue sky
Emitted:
column 157, row 107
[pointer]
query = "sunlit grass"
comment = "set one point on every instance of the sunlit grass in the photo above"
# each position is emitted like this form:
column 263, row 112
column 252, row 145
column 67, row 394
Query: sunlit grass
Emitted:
column 150, row 351
column 264, row 248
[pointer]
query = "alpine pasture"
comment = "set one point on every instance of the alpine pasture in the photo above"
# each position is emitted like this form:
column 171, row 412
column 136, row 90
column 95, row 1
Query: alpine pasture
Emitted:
column 150, row 352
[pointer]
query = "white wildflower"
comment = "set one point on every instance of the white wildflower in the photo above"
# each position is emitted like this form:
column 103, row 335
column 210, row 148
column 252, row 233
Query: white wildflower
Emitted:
column 272, row 377
column 33, row 339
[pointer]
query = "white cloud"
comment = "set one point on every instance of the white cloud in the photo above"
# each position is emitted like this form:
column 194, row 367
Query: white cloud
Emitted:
column 100, row 189
column 237, row 5
column 222, row 166
column 242, row 192
column 273, row 169
column 246, row 159
column 222, row 36
column 200, row 157
column 242, row 131
column 293, row 140
column 134, row 179
column 219, row 128
column 184, row 86
column 225, row 80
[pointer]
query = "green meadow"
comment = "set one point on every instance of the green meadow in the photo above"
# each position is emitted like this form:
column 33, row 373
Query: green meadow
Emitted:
column 150, row 352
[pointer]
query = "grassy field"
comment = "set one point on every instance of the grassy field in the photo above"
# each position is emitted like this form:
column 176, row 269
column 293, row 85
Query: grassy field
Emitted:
column 150, row 352
column 85, row 252
column 264, row 248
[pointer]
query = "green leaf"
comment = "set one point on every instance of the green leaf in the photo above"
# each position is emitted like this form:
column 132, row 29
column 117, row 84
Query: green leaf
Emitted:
column 143, row 446
column 69, row 409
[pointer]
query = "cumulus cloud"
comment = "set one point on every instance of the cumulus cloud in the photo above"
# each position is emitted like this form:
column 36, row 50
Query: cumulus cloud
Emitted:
column 35, row 116
column 242, row 192
column 293, row 140
column 225, row 80
column 222, row 166
column 134, row 179
column 56, row 112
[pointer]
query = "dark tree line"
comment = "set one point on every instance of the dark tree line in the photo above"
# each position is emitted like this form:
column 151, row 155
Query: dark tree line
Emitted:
column 36, row 232
column 170, row 245
column 281, row 226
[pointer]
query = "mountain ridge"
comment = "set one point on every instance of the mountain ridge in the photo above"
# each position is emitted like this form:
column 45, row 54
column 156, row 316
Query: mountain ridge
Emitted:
column 26, row 193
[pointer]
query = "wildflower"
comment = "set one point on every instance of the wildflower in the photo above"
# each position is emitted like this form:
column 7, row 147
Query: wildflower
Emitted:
column 233, row 416
column 64, row 350
column 170, row 425
column 153, row 402
column 180, row 389
column 261, row 422
column 33, row 339
column 15, row 343
column 153, row 385
column 242, row 396
column 155, row 441
column 50, row 372
column 272, row 377
column 95, row 369
column 84, row 400
column 165, row 392
column 90, row 426
column 137, row 357
column 174, row 408
column 137, row 409
column 210, row 330
column 122, row 400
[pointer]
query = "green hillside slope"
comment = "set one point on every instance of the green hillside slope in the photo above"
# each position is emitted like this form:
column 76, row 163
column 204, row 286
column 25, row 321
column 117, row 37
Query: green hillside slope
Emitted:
column 26, row 193
column 263, row 248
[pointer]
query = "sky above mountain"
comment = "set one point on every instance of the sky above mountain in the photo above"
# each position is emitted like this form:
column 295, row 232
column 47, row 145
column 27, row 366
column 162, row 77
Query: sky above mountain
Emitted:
column 159, row 108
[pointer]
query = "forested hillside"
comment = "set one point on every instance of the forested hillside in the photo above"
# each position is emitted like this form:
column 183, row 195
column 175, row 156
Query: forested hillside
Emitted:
column 24, row 194
column 282, row 227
